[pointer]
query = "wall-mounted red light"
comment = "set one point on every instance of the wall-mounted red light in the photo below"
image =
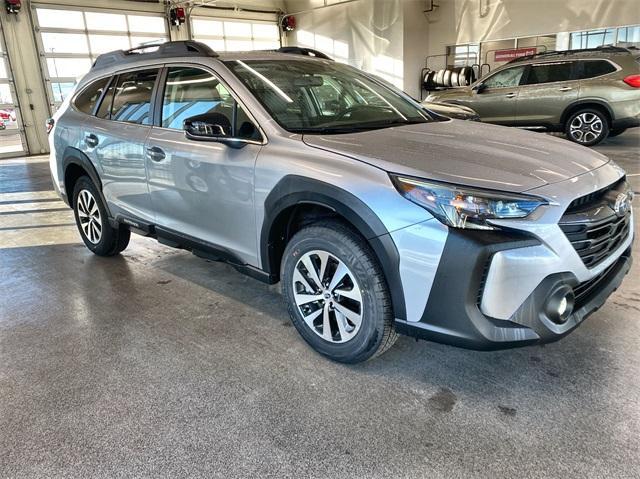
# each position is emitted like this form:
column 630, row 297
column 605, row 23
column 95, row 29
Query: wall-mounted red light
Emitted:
column 177, row 16
column 13, row 6
column 288, row 23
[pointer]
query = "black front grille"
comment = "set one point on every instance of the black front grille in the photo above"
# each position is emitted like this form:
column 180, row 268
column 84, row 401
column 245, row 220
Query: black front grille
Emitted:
column 594, row 197
column 594, row 241
column 584, row 291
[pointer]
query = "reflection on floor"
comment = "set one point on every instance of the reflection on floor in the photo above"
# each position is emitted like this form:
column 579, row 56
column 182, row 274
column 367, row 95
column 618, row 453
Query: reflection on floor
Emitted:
column 31, row 214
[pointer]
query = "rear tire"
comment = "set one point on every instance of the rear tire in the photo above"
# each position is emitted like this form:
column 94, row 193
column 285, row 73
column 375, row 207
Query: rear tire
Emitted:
column 587, row 127
column 93, row 221
column 353, row 298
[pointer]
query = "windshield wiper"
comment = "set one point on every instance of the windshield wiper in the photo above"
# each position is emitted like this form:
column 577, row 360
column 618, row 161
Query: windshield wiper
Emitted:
column 354, row 128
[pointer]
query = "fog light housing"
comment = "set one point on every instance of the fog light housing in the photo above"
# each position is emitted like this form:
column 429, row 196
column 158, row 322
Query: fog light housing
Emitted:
column 559, row 304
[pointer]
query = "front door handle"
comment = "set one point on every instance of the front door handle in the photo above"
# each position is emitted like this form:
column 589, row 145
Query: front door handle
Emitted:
column 566, row 88
column 91, row 140
column 510, row 95
column 155, row 154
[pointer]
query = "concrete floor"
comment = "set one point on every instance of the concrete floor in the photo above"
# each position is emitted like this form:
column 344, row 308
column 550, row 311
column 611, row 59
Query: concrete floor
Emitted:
column 157, row 363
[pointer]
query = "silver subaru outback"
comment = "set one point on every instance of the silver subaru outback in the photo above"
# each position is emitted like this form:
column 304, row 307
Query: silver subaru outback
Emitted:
column 379, row 217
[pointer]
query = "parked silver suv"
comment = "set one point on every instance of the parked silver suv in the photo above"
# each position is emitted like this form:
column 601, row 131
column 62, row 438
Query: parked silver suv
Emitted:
column 379, row 217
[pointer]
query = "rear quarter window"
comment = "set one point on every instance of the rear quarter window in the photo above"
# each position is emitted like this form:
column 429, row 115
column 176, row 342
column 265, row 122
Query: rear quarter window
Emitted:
column 594, row 68
column 86, row 100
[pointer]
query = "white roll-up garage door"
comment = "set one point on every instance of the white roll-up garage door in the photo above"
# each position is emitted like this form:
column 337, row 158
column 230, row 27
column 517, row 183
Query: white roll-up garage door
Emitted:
column 70, row 39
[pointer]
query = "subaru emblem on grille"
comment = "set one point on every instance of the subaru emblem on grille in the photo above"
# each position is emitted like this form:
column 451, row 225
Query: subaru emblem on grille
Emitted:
column 622, row 204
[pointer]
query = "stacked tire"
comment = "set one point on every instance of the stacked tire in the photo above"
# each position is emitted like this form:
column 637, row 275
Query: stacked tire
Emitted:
column 461, row 76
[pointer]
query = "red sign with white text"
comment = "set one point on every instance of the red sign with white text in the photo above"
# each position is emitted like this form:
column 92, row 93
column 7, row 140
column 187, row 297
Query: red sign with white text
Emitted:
column 508, row 55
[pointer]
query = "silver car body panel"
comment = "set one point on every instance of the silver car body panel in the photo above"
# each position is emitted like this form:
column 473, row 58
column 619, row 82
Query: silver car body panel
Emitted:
column 506, row 160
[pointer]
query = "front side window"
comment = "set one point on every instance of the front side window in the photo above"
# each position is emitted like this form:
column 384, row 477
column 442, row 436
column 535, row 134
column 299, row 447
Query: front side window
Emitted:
column 307, row 96
column 132, row 97
column 86, row 100
column 506, row 78
column 550, row 72
column 192, row 92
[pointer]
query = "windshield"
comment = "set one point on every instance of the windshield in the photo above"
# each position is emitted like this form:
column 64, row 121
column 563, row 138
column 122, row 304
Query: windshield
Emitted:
column 306, row 96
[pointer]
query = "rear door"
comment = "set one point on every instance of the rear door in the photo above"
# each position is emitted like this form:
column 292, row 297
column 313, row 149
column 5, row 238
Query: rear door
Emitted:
column 115, row 139
column 546, row 90
column 496, row 101
column 204, row 189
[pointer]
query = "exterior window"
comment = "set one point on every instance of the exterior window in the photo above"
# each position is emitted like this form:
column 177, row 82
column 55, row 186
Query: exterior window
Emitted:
column 462, row 55
column 194, row 92
column 86, row 100
column 229, row 35
column 593, row 38
column 595, row 68
column 505, row 78
column 132, row 99
column 549, row 72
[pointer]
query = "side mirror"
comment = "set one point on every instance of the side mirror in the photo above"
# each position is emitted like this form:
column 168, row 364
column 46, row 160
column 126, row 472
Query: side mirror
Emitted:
column 210, row 127
column 479, row 88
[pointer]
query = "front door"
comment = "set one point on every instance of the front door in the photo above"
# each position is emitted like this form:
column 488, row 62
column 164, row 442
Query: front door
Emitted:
column 495, row 102
column 204, row 189
column 547, row 90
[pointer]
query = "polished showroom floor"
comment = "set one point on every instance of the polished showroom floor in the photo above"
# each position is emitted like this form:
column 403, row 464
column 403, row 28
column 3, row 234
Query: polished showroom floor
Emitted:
column 158, row 363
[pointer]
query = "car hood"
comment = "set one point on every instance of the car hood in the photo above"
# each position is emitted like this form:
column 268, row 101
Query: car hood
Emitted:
column 466, row 153
column 450, row 95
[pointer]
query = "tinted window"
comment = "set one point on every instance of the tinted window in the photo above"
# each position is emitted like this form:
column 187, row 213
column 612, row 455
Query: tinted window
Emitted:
column 505, row 78
column 191, row 91
column 595, row 68
column 549, row 72
column 132, row 99
column 87, row 99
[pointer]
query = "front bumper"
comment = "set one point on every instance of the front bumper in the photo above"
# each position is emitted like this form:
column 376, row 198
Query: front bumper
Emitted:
column 453, row 313
column 490, row 289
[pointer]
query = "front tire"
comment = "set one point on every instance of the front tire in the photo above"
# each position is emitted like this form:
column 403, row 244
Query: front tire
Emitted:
column 587, row 127
column 336, row 293
column 93, row 222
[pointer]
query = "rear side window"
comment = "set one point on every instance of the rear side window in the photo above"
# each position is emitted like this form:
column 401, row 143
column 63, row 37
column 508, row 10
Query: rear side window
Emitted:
column 549, row 72
column 86, row 100
column 132, row 97
column 595, row 68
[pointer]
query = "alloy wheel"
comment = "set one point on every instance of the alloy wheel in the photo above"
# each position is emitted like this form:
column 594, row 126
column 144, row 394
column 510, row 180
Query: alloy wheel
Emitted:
column 328, row 296
column 586, row 127
column 89, row 216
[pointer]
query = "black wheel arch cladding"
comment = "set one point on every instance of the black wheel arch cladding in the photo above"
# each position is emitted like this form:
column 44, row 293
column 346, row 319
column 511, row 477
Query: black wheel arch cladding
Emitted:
column 295, row 190
column 73, row 156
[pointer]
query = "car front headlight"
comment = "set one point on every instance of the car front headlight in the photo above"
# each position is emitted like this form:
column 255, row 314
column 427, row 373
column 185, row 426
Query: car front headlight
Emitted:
column 462, row 207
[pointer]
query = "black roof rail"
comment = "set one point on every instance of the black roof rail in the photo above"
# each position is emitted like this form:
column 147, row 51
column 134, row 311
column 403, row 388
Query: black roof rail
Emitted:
column 309, row 52
column 153, row 51
column 603, row 49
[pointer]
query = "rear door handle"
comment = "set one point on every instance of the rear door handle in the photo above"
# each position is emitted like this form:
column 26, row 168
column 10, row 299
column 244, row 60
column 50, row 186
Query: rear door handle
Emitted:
column 91, row 140
column 155, row 154
column 510, row 95
column 566, row 88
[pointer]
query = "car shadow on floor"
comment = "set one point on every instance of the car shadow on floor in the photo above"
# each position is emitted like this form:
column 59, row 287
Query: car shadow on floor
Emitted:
column 532, row 368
